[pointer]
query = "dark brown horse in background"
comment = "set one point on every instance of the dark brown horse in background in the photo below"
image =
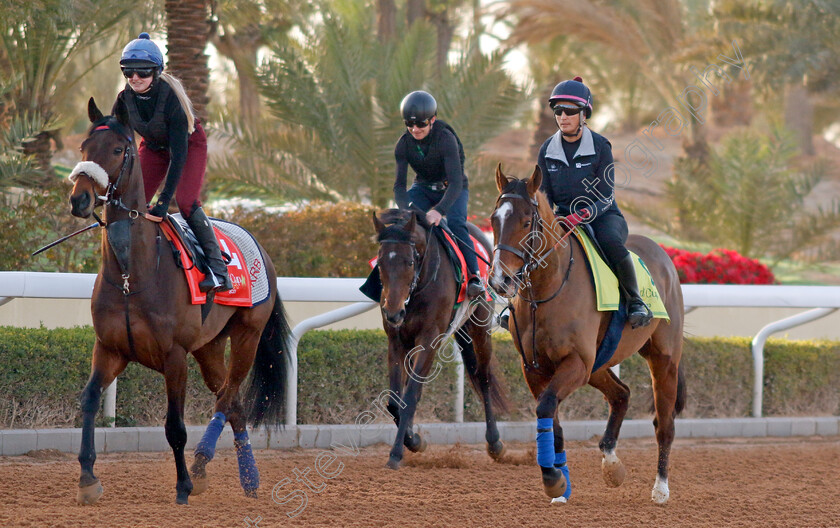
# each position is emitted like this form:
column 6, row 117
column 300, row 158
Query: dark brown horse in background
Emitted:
column 418, row 295
column 557, row 328
column 141, row 312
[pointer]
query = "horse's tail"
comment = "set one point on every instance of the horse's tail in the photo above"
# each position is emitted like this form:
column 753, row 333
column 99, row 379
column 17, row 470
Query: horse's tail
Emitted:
column 496, row 389
column 680, row 403
column 266, row 389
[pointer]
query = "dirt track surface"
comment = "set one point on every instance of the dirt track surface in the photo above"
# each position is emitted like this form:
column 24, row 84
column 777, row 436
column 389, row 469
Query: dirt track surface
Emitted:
column 737, row 482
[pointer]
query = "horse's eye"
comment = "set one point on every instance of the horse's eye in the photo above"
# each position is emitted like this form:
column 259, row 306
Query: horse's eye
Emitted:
column 528, row 223
column 118, row 150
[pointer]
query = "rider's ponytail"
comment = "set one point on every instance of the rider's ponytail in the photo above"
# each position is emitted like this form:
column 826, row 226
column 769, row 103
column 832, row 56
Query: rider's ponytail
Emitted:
column 186, row 104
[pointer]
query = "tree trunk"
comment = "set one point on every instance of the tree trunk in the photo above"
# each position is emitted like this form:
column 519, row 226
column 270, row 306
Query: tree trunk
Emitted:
column 241, row 47
column 39, row 147
column 416, row 10
column 733, row 107
column 799, row 116
column 188, row 30
column 546, row 124
column 386, row 20
column 445, row 32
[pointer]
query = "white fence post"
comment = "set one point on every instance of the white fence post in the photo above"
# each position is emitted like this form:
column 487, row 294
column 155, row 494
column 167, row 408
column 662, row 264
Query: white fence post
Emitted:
column 758, row 349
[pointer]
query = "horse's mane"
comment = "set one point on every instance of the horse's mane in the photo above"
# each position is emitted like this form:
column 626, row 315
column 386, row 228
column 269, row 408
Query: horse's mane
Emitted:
column 395, row 220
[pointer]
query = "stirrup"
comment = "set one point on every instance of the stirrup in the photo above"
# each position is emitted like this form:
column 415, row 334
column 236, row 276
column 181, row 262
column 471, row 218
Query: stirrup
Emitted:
column 212, row 282
column 474, row 287
column 638, row 313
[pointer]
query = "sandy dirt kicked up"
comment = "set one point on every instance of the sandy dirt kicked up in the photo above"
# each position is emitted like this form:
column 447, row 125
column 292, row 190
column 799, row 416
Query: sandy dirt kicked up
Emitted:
column 763, row 482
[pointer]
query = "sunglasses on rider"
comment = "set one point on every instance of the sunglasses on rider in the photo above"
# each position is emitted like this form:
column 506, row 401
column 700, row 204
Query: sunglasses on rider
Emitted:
column 569, row 110
column 143, row 73
column 418, row 124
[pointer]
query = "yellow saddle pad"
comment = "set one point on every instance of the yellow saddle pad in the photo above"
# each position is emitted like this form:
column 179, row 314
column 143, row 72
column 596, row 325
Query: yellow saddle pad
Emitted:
column 606, row 283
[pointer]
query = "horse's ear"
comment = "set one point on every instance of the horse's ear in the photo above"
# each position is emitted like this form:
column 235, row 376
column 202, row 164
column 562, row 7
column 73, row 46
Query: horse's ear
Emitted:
column 501, row 179
column 534, row 181
column 377, row 223
column 412, row 221
column 94, row 114
column 121, row 113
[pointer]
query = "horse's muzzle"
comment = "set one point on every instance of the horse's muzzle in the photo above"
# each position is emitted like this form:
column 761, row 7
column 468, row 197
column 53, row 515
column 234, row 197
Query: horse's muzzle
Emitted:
column 395, row 319
column 81, row 204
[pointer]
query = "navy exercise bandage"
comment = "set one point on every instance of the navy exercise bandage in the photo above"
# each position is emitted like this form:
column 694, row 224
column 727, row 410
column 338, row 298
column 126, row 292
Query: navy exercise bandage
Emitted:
column 560, row 463
column 207, row 445
column 249, row 476
column 545, row 442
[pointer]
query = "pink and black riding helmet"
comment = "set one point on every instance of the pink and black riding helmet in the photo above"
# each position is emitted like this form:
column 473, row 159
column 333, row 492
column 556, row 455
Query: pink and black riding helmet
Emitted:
column 573, row 91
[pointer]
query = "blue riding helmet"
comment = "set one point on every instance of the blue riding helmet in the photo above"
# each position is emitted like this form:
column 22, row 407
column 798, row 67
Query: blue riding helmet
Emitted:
column 573, row 91
column 142, row 52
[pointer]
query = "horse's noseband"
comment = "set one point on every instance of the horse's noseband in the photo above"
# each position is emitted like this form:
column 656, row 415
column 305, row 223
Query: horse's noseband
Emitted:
column 529, row 262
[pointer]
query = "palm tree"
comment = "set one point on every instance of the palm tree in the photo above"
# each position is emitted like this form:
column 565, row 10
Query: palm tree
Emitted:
column 187, row 32
column 37, row 42
column 241, row 29
column 647, row 35
column 334, row 98
column 794, row 50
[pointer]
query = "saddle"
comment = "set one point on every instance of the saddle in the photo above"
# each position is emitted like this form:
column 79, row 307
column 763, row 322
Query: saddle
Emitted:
column 190, row 257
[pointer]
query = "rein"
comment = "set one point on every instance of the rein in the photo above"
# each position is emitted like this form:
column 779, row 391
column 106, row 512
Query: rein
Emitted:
column 119, row 233
column 523, row 275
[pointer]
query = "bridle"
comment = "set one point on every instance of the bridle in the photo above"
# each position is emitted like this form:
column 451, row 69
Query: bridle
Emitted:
column 530, row 262
column 117, row 231
column 418, row 260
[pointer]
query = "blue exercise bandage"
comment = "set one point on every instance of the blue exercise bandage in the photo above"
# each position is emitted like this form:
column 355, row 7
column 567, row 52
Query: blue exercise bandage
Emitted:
column 545, row 442
column 207, row 445
column 249, row 476
column 560, row 463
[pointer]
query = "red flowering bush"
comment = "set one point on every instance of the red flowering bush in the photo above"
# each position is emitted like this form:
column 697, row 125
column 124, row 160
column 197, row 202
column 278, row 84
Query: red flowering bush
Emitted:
column 482, row 222
column 720, row 266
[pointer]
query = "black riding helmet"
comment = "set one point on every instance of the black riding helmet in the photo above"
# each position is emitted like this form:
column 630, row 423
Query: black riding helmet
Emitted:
column 575, row 92
column 418, row 106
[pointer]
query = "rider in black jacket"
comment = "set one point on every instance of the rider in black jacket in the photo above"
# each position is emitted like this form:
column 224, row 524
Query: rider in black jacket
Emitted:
column 576, row 164
column 433, row 150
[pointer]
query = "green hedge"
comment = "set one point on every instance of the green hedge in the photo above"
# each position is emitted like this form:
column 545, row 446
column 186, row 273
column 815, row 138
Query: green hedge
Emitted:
column 341, row 373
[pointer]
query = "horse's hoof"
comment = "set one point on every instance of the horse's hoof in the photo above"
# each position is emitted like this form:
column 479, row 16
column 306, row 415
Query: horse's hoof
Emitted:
column 613, row 470
column 660, row 492
column 89, row 494
column 419, row 445
column 558, row 500
column 496, row 450
column 182, row 498
column 250, row 493
column 198, row 474
column 393, row 463
column 200, row 484
column 554, row 482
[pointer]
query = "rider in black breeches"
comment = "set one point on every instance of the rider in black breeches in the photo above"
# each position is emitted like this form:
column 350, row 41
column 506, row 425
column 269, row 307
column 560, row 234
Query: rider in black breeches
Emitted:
column 577, row 168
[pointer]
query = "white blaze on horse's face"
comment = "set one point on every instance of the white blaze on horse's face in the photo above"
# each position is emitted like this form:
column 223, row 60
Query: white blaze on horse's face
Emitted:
column 502, row 214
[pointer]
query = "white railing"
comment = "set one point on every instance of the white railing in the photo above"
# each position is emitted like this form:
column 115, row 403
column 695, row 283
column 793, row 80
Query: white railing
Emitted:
column 823, row 299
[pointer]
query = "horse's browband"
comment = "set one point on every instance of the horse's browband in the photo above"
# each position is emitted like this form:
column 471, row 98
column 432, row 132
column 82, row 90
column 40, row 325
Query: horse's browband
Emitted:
column 533, row 201
column 395, row 241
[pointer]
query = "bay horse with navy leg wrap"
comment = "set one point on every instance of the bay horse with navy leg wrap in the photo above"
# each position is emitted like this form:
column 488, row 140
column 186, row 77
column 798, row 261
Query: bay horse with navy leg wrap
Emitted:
column 557, row 330
column 418, row 295
column 142, row 312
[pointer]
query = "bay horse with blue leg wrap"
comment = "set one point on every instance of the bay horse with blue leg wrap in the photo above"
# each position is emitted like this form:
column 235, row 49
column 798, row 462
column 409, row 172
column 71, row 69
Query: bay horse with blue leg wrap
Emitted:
column 418, row 296
column 142, row 312
column 557, row 330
